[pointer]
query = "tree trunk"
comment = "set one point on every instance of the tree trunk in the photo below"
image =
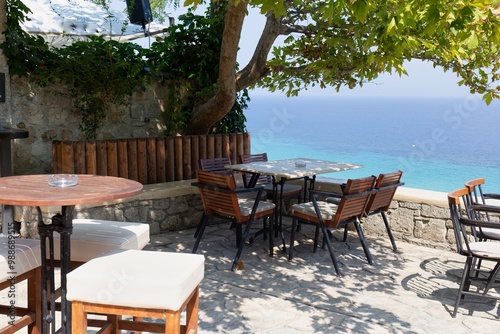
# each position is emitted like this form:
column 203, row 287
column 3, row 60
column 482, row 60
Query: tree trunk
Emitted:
column 207, row 114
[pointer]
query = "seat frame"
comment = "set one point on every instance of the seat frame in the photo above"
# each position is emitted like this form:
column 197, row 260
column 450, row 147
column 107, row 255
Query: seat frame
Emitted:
column 115, row 323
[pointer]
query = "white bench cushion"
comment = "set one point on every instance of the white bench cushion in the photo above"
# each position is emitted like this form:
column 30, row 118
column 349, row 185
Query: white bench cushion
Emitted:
column 27, row 257
column 94, row 237
column 139, row 279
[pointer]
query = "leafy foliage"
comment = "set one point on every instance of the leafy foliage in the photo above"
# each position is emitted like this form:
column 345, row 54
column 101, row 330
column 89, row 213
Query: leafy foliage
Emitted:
column 103, row 72
column 100, row 73
column 189, row 58
column 25, row 53
column 346, row 43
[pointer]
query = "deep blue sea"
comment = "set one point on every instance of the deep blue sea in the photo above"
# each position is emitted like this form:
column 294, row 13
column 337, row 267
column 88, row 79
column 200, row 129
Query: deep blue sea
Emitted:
column 439, row 143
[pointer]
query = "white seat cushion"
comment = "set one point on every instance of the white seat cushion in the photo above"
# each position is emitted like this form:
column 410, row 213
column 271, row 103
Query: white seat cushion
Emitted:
column 27, row 257
column 246, row 206
column 491, row 233
column 485, row 249
column 93, row 237
column 328, row 210
column 139, row 279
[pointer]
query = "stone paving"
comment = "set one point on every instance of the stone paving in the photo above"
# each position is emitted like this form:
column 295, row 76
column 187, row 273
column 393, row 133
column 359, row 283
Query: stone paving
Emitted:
column 412, row 291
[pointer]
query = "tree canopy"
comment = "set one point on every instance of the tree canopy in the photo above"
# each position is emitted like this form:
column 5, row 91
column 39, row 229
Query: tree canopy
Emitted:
column 336, row 43
column 327, row 43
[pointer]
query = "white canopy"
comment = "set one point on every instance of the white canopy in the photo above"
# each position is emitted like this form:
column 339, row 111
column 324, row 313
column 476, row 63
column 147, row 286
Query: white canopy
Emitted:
column 62, row 22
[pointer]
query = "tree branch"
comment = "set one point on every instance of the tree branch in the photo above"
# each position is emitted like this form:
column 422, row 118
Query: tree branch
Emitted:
column 256, row 68
column 207, row 114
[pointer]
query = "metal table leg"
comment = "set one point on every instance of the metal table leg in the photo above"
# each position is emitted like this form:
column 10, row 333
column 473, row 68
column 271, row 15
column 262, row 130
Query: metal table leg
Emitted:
column 63, row 224
column 279, row 209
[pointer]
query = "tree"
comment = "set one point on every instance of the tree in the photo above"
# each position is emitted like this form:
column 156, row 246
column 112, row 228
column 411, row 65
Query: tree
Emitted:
column 349, row 42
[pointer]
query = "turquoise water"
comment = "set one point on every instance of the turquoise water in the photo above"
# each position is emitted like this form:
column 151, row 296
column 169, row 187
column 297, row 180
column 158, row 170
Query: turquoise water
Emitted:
column 438, row 143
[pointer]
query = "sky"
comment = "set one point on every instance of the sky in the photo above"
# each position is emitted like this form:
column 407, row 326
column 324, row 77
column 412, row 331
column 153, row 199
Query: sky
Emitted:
column 422, row 79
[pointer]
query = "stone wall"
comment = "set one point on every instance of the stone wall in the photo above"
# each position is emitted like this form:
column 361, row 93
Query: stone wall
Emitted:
column 416, row 216
column 415, row 222
column 48, row 114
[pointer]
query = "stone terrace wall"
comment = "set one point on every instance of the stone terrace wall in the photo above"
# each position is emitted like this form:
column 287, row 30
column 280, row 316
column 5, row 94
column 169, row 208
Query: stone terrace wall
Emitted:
column 416, row 216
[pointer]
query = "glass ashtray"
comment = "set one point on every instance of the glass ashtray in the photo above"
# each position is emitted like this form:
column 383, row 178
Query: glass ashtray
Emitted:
column 63, row 180
column 300, row 164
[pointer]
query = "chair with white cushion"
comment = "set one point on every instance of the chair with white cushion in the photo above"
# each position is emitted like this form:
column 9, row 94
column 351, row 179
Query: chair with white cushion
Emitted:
column 324, row 215
column 139, row 284
column 479, row 282
column 220, row 199
column 20, row 261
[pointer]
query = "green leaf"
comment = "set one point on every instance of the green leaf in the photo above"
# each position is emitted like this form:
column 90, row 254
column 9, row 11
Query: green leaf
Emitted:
column 472, row 41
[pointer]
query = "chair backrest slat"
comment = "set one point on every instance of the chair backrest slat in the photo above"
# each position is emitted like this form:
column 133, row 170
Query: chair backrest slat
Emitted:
column 256, row 157
column 475, row 196
column 217, row 196
column 386, row 186
column 353, row 202
column 455, row 200
column 215, row 165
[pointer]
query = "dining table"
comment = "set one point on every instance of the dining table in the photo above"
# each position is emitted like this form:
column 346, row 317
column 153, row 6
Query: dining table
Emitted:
column 284, row 170
column 64, row 192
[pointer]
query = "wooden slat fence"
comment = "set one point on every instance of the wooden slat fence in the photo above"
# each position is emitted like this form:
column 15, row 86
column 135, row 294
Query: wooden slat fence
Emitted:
column 147, row 160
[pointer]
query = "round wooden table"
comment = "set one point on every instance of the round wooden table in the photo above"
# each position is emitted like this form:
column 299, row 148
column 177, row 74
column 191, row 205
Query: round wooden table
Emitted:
column 34, row 190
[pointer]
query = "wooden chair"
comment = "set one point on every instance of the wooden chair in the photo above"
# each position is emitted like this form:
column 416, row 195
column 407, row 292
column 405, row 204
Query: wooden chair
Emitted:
column 380, row 201
column 20, row 261
column 476, row 196
column 350, row 208
column 220, row 198
column 217, row 165
column 472, row 248
column 140, row 284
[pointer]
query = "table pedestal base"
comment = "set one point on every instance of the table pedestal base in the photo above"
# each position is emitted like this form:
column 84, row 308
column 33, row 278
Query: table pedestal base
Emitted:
column 62, row 224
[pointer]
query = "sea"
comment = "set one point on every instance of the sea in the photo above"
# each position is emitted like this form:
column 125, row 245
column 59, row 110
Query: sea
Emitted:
column 438, row 142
